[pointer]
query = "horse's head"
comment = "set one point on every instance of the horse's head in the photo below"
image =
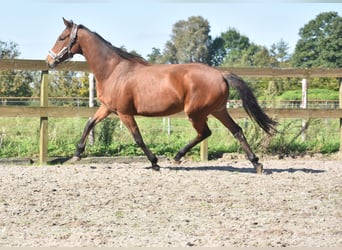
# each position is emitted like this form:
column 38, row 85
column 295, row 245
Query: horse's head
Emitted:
column 66, row 45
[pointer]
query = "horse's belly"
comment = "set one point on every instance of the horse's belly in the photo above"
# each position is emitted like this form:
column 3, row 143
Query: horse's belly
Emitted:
column 159, row 108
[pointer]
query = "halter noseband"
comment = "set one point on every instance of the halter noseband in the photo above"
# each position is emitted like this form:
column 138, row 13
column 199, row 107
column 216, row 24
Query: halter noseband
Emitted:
column 66, row 50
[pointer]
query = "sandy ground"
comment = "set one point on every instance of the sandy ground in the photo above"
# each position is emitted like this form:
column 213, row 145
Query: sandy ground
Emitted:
column 296, row 202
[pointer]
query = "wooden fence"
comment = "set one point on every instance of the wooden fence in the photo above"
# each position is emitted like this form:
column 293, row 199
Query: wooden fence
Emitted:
column 78, row 101
column 44, row 111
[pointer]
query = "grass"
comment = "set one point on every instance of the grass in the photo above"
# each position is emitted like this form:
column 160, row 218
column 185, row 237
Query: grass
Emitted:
column 19, row 137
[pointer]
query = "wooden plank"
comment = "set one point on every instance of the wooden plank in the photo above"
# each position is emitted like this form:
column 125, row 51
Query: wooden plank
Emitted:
column 304, row 113
column 236, row 113
column 283, row 72
column 276, row 113
column 22, row 64
column 56, row 112
column 337, row 72
column 38, row 65
column 25, row 64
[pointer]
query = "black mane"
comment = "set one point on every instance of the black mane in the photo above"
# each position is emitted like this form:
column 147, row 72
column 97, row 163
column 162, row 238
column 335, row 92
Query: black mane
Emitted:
column 120, row 52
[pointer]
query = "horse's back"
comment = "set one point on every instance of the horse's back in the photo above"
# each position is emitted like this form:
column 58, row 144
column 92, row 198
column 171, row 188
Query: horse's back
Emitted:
column 186, row 77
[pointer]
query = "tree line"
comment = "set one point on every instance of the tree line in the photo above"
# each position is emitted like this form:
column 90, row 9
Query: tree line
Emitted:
column 319, row 45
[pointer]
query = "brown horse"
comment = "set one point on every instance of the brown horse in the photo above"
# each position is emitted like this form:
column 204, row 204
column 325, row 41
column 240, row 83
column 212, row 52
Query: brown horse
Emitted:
column 127, row 85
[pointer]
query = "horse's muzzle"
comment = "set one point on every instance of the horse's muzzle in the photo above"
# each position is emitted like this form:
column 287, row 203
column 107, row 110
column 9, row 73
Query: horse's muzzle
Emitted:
column 51, row 62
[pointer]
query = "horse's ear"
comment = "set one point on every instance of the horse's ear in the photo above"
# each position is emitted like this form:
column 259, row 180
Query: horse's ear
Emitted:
column 67, row 23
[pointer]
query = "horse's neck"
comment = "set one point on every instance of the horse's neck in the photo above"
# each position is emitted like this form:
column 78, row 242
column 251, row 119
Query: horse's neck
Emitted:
column 101, row 59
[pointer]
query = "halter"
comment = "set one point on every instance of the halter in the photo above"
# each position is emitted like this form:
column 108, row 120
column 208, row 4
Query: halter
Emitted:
column 66, row 50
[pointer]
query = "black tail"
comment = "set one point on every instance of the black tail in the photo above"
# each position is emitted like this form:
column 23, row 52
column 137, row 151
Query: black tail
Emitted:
column 250, row 103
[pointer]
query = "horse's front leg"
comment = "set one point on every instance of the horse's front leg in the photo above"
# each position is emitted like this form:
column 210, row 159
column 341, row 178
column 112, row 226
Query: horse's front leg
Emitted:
column 132, row 126
column 99, row 115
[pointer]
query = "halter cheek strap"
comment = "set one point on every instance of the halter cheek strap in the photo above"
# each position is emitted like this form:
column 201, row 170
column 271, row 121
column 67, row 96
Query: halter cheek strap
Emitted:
column 66, row 50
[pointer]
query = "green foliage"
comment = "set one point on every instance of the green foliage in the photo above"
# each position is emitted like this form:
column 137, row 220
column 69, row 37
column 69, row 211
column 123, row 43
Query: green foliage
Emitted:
column 9, row 50
column 233, row 45
column 280, row 54
column 155, row 56
column 320, row 137
column 235, row 50
column 69, row 83
column 105, row 131
column 19, row 137
column 12, row 82
column 189, row 42
column 313, row 94
column 15, row 83
column 319, row 46
column 320, row 43
column 254, row 55
column 326, row 83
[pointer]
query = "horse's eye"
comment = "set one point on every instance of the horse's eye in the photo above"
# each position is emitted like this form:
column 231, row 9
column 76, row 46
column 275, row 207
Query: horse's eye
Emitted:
column 61, row 38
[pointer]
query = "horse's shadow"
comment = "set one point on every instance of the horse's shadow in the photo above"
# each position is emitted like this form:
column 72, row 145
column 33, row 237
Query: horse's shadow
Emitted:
column 244, row 170
column 59, row 160
column 267, row 171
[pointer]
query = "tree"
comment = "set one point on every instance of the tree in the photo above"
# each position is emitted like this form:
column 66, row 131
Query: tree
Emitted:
column 12, row 82
column 279, row 53
column 217, row 51
column 320, row 43
column 170, row 53
column 234, row 49
column 252, row 56
column 233, row 44
column 261, row 57
column 190, row 41
column 8, row 50
column 233, row 40
column 69, row 83
column 155, row 56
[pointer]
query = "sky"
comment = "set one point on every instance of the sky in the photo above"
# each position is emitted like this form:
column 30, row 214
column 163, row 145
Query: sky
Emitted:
column 141, row 25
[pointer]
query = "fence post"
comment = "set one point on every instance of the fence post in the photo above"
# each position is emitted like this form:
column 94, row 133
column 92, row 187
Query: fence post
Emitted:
column 304, row 105
column 43, row 143
column 91, row 104
column 168, row 125
column 204, row 150
column 340, row 102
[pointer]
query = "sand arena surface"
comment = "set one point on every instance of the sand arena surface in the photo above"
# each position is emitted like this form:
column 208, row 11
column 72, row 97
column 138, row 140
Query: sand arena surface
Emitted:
column 296, row 202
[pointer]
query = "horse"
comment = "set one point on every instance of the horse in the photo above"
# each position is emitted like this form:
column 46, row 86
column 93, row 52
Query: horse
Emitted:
column 127, row 85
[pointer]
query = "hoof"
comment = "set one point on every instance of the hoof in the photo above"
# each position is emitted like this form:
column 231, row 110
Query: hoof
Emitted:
column 155, row 167
column 259, row 168
column 177, row 158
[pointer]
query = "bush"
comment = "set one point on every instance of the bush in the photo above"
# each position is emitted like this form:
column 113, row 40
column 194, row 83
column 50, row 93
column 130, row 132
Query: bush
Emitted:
column 313, row 94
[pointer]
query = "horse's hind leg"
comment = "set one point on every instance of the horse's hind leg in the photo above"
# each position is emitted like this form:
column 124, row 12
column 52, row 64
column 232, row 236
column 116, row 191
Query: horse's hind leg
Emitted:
column 132, row 126
column 203, row 132
column 236, row 130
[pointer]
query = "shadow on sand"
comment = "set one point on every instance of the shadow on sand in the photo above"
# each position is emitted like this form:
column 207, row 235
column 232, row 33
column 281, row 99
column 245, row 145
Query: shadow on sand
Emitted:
column 59, row 160
column 245, row 170
column 267, row 171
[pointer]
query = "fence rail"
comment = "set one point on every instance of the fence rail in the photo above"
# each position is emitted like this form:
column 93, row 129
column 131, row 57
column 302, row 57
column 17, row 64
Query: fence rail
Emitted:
column 40, row 65
column 84, row 102
column 62, row 112
column 44, row 111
